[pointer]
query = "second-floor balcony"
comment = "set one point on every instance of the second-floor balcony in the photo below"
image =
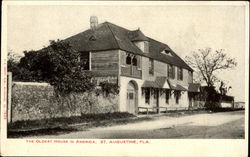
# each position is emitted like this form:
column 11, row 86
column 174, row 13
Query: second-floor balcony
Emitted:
column 131, row 71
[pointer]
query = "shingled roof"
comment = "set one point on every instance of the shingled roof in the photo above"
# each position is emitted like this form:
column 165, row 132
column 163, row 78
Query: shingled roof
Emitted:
column 108, row 36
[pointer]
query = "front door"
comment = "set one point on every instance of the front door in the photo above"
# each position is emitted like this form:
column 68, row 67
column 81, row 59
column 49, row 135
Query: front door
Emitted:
column 131, row 98
column 131, row 101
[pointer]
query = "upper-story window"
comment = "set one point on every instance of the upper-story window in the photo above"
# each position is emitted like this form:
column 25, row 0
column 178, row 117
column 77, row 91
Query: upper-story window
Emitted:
column 179, row 73
column 128, row 59
column 134, row 61
column 151, row 66
column 171, row 71
column 190, row 76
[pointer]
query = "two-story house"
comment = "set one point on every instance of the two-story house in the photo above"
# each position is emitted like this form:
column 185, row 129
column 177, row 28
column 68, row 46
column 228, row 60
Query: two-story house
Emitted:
column 149, row 73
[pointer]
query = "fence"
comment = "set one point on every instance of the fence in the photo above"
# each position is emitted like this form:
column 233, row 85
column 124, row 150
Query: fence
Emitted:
column 31, row 100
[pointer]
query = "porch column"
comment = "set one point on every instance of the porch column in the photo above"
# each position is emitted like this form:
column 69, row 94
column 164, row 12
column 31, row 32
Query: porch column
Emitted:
column 157, row 101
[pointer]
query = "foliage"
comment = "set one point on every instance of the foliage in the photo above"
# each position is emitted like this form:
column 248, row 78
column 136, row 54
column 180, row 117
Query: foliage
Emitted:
column 55, row 122
column 108, row 88
column 223, row 89
column 12, row 64
column 206, row 63
column 211, row 97
column 57, row 64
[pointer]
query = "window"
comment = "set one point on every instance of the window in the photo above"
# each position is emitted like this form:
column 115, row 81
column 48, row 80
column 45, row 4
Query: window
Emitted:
column 177, row 96
column 167, row 96
column 147, row 96
column 128, row 60
column 134, row 61
column 167, row 52
column 190, row 76
column 151, row 66
column 180, row 74
column 155, row 94
column 171, row 71
column 84, row 60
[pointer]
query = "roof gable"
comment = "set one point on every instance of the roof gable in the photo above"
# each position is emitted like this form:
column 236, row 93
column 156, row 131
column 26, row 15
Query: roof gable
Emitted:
column 104, row 40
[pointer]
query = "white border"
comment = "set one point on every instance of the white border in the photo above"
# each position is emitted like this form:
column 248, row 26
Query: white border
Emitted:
column 164, row 147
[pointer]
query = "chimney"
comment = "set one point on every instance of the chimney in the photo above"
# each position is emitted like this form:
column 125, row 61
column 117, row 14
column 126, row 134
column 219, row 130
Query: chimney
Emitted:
column 93, row 22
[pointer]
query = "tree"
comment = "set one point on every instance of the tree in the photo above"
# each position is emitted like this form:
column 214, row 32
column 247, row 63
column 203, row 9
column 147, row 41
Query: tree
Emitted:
column 223, row 89
column 59, row 65
column 206, row 64
column 12, row 64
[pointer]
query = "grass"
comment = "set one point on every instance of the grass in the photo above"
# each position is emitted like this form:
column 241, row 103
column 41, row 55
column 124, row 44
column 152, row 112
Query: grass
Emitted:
column 63, row 125
column 61, row 121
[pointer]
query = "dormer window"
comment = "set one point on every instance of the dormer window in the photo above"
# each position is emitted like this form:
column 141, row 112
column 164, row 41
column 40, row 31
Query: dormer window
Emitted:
column 92, row 38
column 166, row 52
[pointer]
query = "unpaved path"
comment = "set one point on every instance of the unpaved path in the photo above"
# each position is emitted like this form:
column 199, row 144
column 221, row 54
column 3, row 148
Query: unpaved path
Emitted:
column 207, row 125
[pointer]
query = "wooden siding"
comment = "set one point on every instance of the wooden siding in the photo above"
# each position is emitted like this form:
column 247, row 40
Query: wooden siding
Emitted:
column 130, row 70
column 160, row 69
column 105, row 62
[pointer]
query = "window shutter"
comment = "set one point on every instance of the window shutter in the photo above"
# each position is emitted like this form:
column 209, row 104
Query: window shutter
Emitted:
column 181, row 71
column 178, row 73
column 146, row 48
column 152, row 66
column 139, row 61
column 173, row 71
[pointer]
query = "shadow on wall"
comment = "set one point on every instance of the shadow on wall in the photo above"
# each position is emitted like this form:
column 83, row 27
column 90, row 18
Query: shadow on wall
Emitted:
column 39, row 101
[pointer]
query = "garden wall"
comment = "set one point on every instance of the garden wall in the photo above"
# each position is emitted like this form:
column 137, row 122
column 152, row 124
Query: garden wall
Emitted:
column 30, row 101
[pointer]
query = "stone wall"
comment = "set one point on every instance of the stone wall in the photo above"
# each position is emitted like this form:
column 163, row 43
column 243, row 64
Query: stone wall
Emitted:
column 30, row 101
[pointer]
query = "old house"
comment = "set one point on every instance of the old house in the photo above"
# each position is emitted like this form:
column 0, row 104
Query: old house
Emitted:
column 151, row 76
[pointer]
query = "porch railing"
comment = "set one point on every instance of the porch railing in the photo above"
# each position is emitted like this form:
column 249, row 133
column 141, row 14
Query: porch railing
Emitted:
column 131, row 71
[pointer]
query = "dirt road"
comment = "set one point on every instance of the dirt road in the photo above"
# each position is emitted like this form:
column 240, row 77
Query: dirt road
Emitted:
column 206, row 125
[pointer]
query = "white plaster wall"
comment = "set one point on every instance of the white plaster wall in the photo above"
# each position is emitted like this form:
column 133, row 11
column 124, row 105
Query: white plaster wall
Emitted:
column 123, row 92
column 160, row 69
column 140, row 45
column 226, row 105
column 183, row 102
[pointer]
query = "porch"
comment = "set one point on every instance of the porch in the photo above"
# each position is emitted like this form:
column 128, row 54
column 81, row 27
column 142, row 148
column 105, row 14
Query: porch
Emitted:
column 162, row 96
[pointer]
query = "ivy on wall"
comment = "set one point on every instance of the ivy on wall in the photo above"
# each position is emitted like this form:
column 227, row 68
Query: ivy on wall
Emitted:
column 108, row 88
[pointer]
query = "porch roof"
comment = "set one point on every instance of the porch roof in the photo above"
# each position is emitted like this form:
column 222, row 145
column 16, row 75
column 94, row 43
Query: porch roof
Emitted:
column 164, row 83
column 150, row 84
column 194, row 87
column 178, row 87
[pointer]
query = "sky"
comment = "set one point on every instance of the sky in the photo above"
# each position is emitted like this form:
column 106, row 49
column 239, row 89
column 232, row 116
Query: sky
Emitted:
column 185, row 28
